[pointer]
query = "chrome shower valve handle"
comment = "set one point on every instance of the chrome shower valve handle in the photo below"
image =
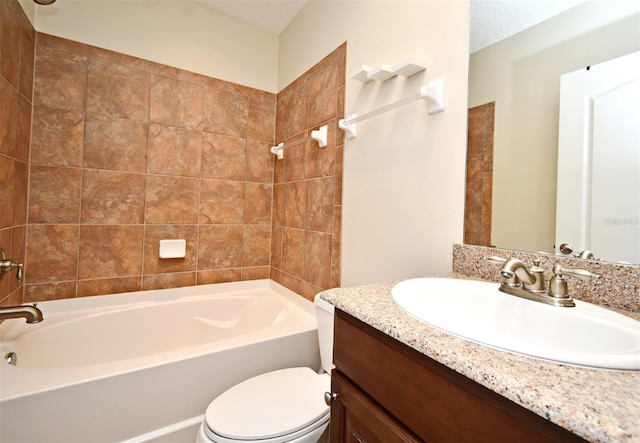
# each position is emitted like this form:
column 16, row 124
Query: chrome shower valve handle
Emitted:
column 7, row 265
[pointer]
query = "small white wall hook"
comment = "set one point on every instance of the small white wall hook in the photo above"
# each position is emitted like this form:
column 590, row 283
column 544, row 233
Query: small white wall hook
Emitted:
column 320, row 135
column 278, row 150
column 350, row 129
column 433, row 94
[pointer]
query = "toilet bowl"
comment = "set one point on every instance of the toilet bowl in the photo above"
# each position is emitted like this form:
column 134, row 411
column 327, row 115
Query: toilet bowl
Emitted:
column 286, row 405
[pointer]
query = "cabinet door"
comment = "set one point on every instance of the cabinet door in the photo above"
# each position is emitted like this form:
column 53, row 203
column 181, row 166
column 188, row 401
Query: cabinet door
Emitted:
column 356, row 418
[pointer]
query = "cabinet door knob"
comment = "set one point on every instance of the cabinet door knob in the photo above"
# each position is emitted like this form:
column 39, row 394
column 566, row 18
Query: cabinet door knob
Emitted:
column 330, row 397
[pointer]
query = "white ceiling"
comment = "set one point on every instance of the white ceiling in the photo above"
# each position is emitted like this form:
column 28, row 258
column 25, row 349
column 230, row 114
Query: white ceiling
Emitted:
column 491, row 20
column 269, row 15
column 495, row 20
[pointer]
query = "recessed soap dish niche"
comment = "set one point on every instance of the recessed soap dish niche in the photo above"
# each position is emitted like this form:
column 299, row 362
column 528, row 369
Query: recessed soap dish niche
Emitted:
column 405, row 68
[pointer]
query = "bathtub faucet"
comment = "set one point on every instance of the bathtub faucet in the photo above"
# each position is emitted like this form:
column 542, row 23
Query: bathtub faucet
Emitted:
column 29, row 312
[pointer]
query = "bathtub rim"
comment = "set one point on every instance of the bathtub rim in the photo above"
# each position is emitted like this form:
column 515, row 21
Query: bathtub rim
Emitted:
column 17, row 382
column 155, row 295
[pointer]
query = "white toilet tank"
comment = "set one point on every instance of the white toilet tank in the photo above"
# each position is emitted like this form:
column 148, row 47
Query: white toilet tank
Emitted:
column 324, row 316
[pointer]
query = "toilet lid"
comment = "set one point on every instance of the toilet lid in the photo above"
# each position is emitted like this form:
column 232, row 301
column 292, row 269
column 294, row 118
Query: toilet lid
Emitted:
column 270, row 405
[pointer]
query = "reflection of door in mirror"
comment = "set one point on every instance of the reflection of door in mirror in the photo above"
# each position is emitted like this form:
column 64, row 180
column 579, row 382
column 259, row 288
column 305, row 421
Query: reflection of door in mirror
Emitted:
column 479, row 187
column 599, row 159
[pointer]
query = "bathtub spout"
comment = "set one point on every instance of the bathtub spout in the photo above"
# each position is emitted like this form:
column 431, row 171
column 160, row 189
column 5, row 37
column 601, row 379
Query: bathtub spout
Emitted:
column 29, row 312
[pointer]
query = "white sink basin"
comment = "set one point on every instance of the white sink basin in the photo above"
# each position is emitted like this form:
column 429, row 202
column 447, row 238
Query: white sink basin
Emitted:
column 584, row 335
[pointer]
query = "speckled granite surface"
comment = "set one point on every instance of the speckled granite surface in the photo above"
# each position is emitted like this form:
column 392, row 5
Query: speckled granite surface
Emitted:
column 598, row 405
column 618, row 287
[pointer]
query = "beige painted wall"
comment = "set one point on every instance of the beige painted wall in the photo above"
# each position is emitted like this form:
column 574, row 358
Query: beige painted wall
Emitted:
column 522, row 75
column 404, row 173
column 182, row 34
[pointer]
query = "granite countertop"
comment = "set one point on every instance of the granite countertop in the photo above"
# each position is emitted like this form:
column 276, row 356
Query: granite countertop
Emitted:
column 598, row 405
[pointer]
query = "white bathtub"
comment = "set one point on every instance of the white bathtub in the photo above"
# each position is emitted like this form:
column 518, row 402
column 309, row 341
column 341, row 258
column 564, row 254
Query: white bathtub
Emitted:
column 143, row 366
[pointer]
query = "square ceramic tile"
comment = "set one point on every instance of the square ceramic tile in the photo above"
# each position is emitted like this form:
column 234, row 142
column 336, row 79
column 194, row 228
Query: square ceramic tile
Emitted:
column 60, row 79
column 225, row 113
column 175, row 103
column 54, row 194
column 57, row 137
column 221, row 201
column 115, row 143
column 172, row 200
column 219, row 247
column 110, row 197
column 108, row 251
column 51, row 253
column 117, row 91
column 174, row 151
column 224, row 157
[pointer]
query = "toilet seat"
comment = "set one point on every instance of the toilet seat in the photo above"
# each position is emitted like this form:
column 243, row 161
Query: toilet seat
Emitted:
column 274, row 407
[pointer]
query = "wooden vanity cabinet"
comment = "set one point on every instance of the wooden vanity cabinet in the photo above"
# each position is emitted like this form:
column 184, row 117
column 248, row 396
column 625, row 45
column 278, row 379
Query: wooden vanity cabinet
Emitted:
column 388, row 392
column 360, row 418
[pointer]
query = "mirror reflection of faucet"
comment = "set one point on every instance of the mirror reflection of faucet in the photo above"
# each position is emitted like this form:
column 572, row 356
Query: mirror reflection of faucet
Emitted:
column 529, row 282
column 567, row 249
column 586, row 255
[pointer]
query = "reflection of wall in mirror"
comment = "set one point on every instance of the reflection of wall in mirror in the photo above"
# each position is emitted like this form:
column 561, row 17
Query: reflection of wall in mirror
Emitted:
column 521, row 74
column 479, row 184
column 599, row 159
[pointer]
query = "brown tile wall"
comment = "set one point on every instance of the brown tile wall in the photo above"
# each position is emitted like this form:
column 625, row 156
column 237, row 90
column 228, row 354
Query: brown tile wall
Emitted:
column 17, row 39
column 479, row 187
column 308, row 182
column 125, row 152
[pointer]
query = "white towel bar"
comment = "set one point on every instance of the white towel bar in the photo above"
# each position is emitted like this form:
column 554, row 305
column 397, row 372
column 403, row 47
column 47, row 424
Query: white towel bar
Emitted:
column 319, row 135
column 432, row 93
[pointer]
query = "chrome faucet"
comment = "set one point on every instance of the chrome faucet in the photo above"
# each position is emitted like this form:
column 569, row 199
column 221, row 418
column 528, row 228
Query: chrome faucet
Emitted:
column 29, row 312
column 529, row 283
column 515, row 274
column 567, row 249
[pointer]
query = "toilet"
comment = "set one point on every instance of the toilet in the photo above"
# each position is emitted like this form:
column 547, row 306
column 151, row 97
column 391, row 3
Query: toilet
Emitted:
column 286, row 405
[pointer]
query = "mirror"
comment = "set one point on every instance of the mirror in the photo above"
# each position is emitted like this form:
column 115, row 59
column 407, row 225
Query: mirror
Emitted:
column 518, row 79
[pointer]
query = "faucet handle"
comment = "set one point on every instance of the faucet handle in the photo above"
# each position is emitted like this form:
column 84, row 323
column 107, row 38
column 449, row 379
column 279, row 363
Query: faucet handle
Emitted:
column 558, row 286
column 495, row 259
column 7, row 265
column 19, row 272
column 580, row 274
